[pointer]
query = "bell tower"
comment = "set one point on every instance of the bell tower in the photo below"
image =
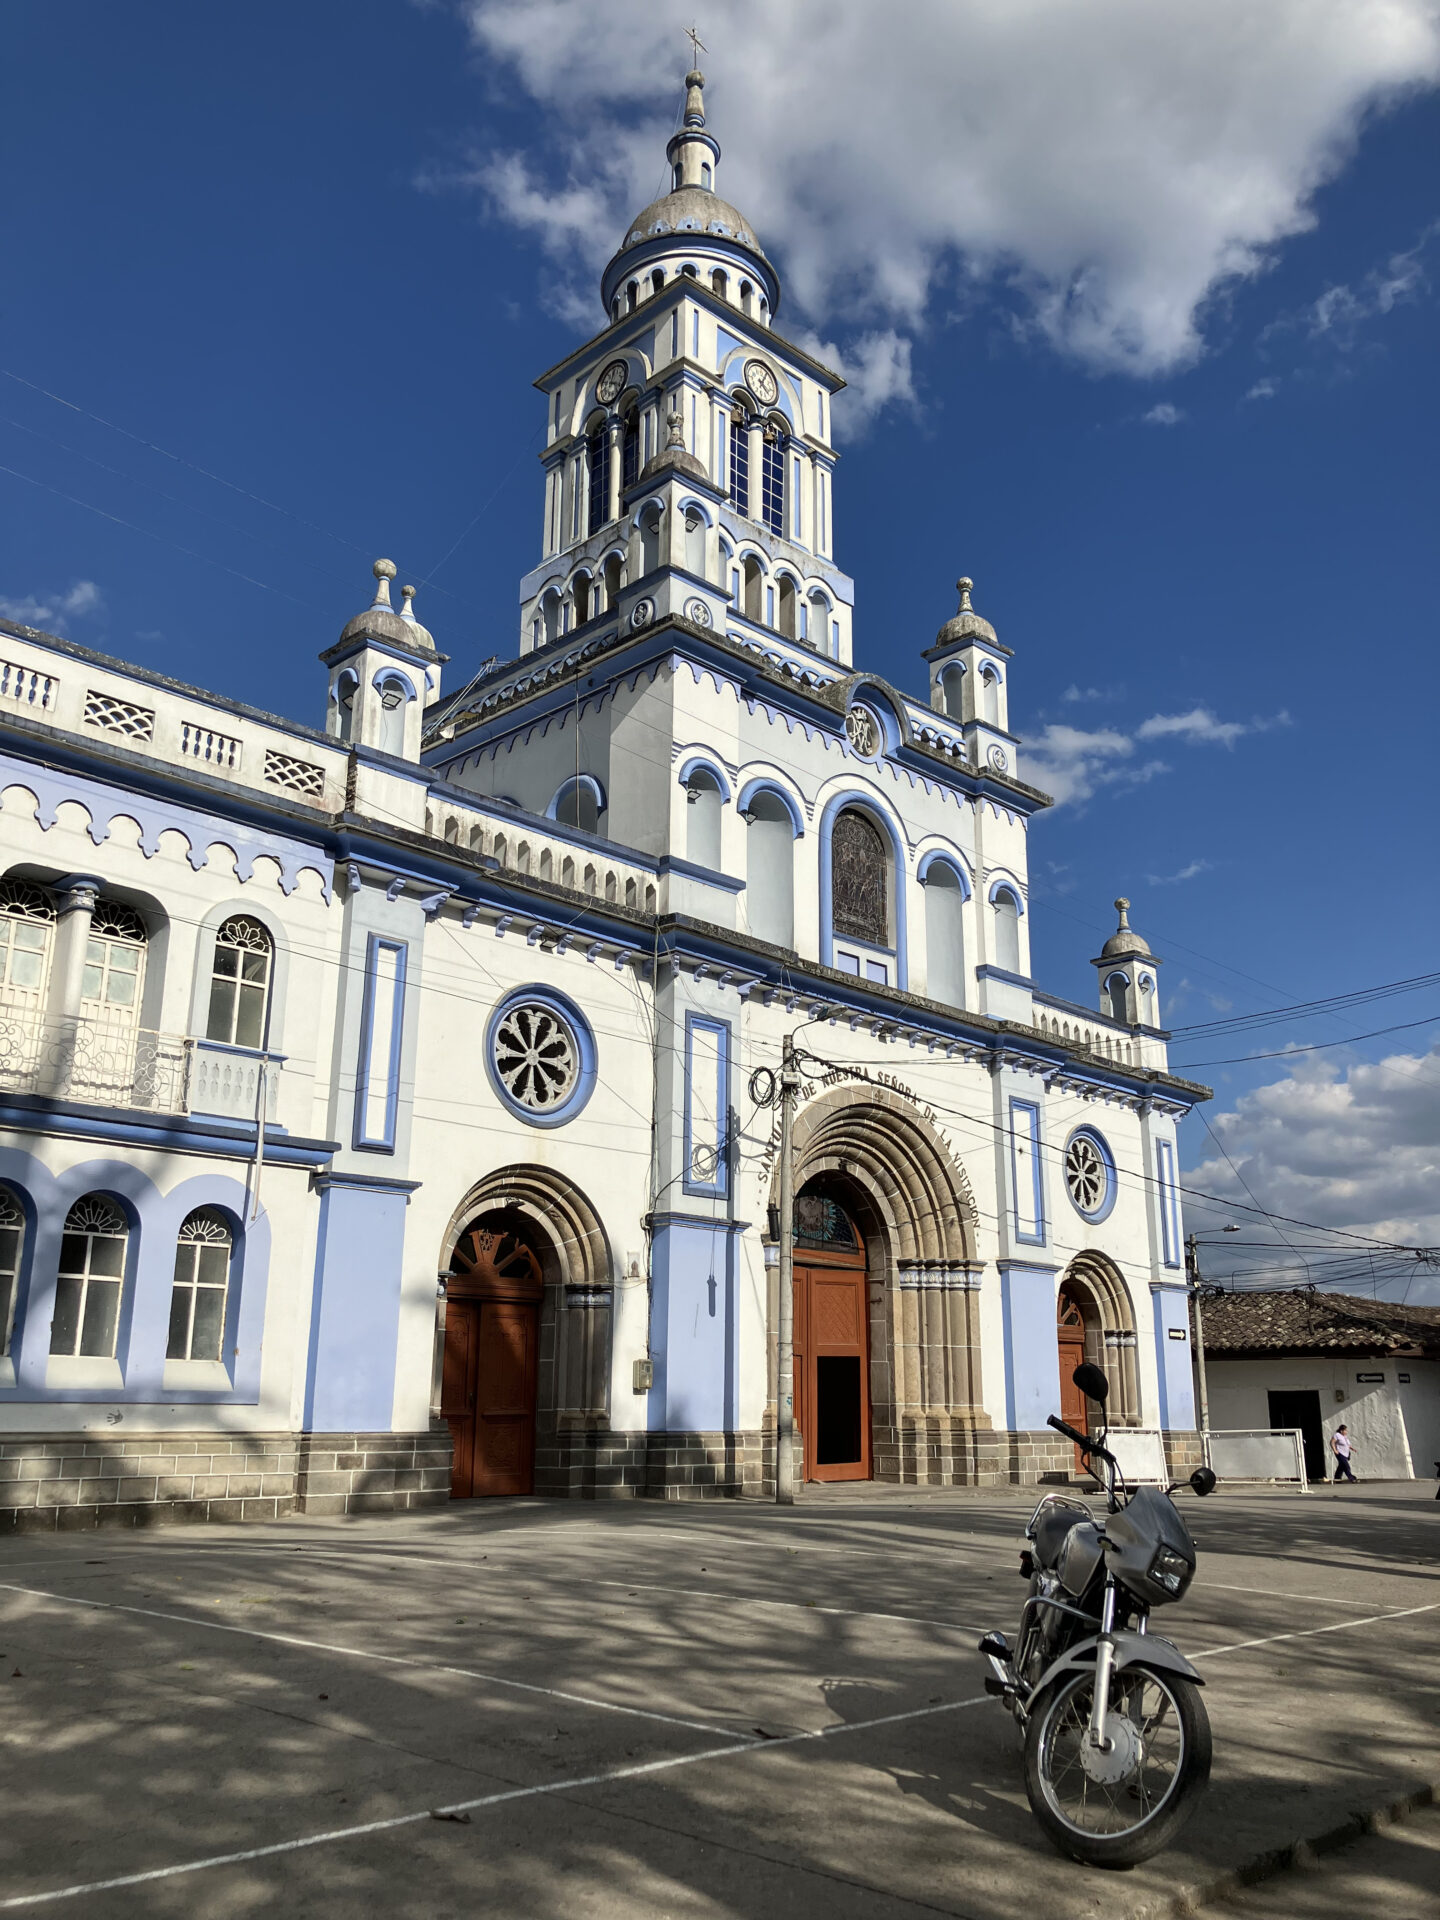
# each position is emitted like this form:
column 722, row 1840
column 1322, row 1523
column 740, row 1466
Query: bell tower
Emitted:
column 969, row 682
column 688, row 459
column 1127, row 969
column 384, row 674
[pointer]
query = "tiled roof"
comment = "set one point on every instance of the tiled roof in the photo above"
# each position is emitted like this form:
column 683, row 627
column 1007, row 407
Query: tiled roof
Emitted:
column 1305, row 1322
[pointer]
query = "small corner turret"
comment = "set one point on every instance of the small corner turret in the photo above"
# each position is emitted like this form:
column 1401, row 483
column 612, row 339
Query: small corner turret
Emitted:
column 1126, row 967
column 384, row 673
column 969, row 682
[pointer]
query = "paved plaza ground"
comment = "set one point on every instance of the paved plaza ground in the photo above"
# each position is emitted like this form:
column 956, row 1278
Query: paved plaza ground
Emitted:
column 623, row 1712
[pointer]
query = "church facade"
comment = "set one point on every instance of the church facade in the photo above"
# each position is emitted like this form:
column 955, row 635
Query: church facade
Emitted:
column 388, row 1107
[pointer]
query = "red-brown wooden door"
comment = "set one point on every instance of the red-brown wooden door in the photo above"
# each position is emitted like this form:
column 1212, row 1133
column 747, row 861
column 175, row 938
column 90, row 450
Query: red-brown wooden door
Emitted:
column 490, row 1368
column 1070, row 1333
column 832, row 1368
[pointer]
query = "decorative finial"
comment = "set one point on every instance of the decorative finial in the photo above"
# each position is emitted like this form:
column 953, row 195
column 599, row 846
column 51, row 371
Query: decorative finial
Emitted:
column 384, row 572
column 675, row 423
column 963, row 586
column 1122, row 907
column 407, row 612
column 694, row 82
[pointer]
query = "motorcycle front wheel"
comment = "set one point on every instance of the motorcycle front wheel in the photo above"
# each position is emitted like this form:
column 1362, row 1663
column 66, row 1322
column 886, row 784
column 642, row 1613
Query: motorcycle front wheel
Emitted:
column 1118, row 1807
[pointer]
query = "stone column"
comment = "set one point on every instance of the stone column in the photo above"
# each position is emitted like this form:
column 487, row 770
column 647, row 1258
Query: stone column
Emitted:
column 757, row 478
column 62, row 1017
column 617, row 458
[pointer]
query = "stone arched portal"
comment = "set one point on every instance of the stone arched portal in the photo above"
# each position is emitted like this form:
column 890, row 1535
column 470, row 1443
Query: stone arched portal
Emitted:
column 542, row 1210
column 1097, row 1288
column 914, row 1207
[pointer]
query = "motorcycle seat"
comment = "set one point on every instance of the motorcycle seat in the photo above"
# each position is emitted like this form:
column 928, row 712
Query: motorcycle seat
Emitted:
column 1051, row 1529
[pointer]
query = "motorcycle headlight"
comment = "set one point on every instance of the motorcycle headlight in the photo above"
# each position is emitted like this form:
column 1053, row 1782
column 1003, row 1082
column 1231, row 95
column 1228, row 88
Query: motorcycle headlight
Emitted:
column 1170, row 1571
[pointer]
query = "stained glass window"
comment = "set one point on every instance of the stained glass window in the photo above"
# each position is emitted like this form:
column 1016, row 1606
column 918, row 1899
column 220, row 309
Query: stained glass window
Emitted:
column 858, row 867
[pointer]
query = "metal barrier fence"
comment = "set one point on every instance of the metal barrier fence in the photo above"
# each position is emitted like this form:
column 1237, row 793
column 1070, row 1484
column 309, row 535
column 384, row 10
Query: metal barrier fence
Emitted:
column 1257, row 1453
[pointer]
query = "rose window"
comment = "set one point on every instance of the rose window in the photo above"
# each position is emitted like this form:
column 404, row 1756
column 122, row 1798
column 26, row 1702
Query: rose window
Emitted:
column 537, row 1057
column 1087, row 1175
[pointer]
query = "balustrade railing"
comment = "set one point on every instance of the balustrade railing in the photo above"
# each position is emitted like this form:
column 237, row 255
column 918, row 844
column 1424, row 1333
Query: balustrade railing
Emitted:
column 78, row 1058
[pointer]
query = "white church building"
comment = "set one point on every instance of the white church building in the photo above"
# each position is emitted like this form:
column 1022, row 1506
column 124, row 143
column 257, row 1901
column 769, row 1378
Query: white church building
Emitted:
column 386, row 1105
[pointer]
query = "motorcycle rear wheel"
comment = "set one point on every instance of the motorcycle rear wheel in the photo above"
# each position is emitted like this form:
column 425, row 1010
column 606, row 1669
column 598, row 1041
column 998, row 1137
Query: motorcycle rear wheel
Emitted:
column 1159, row 1763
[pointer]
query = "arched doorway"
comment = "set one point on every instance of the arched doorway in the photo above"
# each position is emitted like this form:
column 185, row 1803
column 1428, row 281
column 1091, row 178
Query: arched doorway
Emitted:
column 1097, row 1288
column 491, row 1360
column 832, row 1344
column 1070, row 1334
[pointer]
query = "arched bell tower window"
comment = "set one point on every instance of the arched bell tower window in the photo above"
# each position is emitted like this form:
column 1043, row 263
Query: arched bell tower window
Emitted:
column 789, row 605
column 952, row 690
column 1117, row 997
column 630, row 450
column 772, row 480
column 859, row 874
column 1007, row 929
column 598, row 457
column 740, row 461
column 240, row 983
column 703, row 801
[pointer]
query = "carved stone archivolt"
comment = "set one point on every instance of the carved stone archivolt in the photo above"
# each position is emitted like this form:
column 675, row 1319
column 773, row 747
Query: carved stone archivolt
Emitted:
column 1110, row 1342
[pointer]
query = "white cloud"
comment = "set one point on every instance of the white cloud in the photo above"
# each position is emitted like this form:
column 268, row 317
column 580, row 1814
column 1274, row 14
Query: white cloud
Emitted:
column 1338, row 318
column 1162, row 415
column 1103, row 169
column 877, row 371
column 1072, row 764
column 1263, row 390
column 54, row 610
column 1191, row 871
column 1356, row 1148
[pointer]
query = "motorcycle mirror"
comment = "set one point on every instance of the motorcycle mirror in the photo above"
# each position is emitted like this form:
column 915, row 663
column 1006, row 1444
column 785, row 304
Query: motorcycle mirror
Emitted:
column 1091, row 1382
column 1203, row 1480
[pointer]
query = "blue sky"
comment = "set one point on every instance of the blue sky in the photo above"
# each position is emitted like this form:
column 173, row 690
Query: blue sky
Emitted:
column 1145, row 345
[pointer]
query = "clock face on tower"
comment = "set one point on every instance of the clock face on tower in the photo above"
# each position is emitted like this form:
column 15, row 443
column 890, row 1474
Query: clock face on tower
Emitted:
column 761, row 382
column 612, row 380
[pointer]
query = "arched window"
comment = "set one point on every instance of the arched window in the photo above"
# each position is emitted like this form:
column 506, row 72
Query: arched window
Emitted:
column 632, row 294
column 550, row 615
column 770, row 870
column 1147, row 1001
column 747, row 297
column 630, row 450
column 12, row 1246
column 579, row 806
column 240, row 983
column 695, row 542
column 1117, row 997
column 650, row 540
column 114, row 965
column 859, row 872
column 703, row 801
column 27, row 921
column 1007, row 930
column 580, row 592
column 657, row 280
column 740, row 461
column 944, row 936
column 719, row 283
column 92, row 1274
column 819, row 624
column 202, row 1281
column 598, row 459
column 612, row 581
column 952, row 691
column 990, row 695
column 346, row 688
column 772, row 481
column 754, row 595
column 788, row 604
column 706, row 175
column 392, row 717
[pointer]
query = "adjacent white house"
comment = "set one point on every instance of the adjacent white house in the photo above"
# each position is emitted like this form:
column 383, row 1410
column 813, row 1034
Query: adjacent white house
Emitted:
column 385, row 1101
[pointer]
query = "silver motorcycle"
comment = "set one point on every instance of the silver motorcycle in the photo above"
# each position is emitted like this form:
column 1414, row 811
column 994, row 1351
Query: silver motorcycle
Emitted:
column 1117, row 1740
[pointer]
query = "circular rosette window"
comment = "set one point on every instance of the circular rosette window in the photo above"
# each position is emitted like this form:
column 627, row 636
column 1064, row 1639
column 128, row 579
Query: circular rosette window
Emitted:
column 540, row 1055
column 1089, row 1174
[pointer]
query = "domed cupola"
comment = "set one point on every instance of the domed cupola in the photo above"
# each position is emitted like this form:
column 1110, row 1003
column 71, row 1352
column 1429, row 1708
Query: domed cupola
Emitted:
column 1127, row 975
column 690, row 226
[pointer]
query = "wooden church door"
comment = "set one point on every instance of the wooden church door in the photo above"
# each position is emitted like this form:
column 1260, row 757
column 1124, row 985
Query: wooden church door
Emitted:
column 491, row 1362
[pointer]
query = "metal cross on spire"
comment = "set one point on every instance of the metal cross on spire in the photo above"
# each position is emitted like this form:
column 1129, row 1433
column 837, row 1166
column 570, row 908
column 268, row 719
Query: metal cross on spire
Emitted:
column 697, row 45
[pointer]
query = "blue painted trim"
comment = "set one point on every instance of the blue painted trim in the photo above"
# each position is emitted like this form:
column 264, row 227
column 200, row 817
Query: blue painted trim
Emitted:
column 988, row 972
column 392, row 677
column 365, row 1182
column 383, row 1142
column 703, row 762
column 1027, row 1130
column 720, row 1185
column 865, row 802
column 687, row 869
column 1169, row 1203
column 944, row 857
column 565, row 1007
column 1112, row 1184
column 179, row 1133
column 764, row 783
column 1006, row 885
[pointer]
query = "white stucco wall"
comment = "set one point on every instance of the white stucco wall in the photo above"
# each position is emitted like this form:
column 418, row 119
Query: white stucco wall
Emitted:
column 1394, row 1422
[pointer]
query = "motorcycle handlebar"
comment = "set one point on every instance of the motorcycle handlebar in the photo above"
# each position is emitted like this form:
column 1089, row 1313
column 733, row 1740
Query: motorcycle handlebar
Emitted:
column 1080, row 1439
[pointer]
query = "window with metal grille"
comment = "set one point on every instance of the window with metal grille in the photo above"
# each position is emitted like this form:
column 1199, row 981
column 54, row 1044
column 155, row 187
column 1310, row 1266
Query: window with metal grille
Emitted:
column 202, row 1281
column 92, row 1276
column 12, row 1244
column 740, row 462
column 26, row 916
column 858, row 892
column 240, row 983
column 599, row 450
column 772, row 483
column 630, row 451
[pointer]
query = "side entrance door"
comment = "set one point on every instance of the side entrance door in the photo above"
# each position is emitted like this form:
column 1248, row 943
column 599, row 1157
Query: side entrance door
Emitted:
column 1302, row 1410
column 1070, row 1333
column 491, row 1362
column 832, row 1367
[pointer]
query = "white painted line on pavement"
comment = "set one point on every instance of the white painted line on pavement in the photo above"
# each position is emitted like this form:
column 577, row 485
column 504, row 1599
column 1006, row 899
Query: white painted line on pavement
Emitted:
column 484, row 1800
column 366, row 1653
column 1306, row 1633
column 1228, row 1586
column 800, row 1606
